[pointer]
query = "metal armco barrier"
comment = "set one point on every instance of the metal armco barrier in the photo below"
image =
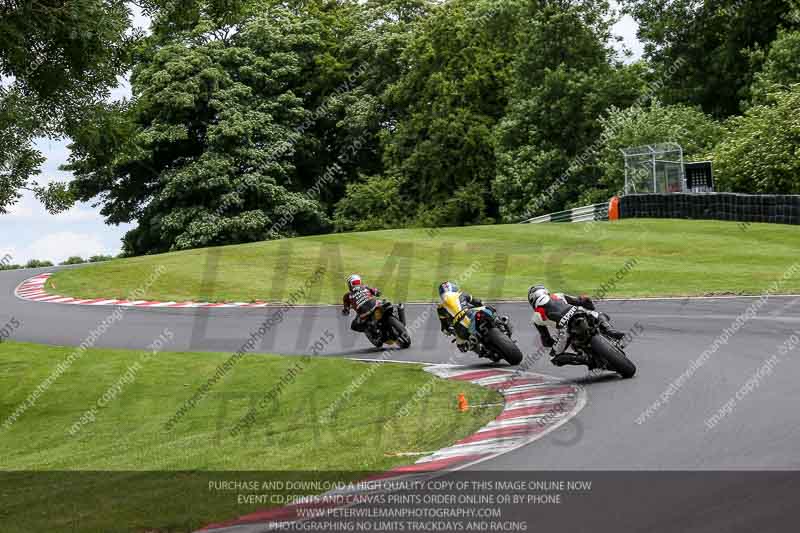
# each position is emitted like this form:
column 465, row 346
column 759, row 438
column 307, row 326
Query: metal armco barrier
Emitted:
column 579, row 214
column 774, row 208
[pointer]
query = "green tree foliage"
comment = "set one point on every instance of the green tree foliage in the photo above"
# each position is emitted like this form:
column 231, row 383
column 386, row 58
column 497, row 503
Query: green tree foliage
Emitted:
column 74, row 260
column 761, row 153
column 369, row 205
column 781, row 68
column 360, row 43
column 205, row 153
column 57, row 56
column 452, row 93
column 565, row 79
column 241, row 114
column 383, row 29
column 696, row 132
column 716, row 45
column 37, row 263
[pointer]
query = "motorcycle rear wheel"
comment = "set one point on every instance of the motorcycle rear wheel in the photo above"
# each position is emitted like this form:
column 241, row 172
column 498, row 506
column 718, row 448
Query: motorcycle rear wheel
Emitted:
column 615, row 357
column 375, row 338
column 504, row 346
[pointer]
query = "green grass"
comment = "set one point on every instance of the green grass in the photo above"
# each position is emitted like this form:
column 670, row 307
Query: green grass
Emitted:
column 674, row 258
column 51, row 486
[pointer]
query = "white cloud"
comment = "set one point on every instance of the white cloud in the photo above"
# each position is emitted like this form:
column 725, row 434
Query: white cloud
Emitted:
column 30, row 210
column 8, row 251
column 626, row 28
column 80, row 215
column 19, row 210
column 59, row 246
column 57, row 153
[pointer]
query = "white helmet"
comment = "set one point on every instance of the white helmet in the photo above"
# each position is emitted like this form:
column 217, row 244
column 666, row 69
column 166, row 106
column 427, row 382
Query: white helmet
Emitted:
column 538, row 295
column 353, row 281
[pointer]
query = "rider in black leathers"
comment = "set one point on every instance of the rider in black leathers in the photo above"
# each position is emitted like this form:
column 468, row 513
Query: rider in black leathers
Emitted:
column 550, row 310
column 362, row 299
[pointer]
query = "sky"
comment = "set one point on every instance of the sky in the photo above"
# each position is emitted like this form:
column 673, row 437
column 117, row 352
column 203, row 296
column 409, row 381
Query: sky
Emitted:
column 29, row 232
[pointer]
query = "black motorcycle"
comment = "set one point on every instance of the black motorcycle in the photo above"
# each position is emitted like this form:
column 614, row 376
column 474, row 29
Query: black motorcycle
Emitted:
column 387, row 325
column 489, row 334
column 599, row 350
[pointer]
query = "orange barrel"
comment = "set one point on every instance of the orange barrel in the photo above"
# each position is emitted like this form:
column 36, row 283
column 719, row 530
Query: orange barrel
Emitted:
column 613, row 208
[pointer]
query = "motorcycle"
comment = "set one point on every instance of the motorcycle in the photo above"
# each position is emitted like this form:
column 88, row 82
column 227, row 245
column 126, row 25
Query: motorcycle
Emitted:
column 489, row 334
column 599, row 350
column 387, row 325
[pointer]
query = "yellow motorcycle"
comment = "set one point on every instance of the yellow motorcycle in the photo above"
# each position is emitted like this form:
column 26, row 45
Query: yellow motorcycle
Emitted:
column 487, row 333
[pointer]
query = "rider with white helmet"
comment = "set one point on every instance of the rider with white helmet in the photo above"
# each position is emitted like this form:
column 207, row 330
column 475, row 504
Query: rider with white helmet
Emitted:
column 361, row 299
column 549, row 309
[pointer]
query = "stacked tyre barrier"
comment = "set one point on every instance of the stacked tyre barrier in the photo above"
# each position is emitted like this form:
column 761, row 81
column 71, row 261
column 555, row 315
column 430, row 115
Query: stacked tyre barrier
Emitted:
column 579, row 214
column 774, row 208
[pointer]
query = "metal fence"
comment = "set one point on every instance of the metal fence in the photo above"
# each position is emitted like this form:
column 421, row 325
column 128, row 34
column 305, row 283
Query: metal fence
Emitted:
column 586, row 213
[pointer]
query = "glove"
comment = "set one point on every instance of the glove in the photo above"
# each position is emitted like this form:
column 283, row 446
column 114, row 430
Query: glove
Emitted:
column 548, row 342
column 450, row 331
column 463, row 346
column 345, row 312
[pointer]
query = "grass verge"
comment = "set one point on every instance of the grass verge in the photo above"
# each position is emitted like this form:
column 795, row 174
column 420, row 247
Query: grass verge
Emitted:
column 122, row 471
column 626, row 258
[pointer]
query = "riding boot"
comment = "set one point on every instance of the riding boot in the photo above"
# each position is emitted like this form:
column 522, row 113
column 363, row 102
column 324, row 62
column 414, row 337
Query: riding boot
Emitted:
column 568, row 358
column 605, row 327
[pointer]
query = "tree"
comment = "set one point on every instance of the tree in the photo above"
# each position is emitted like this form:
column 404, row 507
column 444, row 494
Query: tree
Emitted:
column 760, row 153
column 37, row 263
column 452, row 92
column 781, row 68
column 378, row 33
column 565, row 78
column 248, row 119
column 74, row 260
column 58, row 56
column 204, row 154
column 707, row 53
column 370, row 205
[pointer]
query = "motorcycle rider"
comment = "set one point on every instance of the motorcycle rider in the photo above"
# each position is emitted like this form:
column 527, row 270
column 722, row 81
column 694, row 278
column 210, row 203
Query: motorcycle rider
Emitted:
column 549, row 309
column 360, row 298
column 449, row 291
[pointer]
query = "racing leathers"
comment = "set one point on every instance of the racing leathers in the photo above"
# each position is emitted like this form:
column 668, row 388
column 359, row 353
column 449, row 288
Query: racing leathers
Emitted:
column 449, row 327
column 362, row 299
column 556, row 313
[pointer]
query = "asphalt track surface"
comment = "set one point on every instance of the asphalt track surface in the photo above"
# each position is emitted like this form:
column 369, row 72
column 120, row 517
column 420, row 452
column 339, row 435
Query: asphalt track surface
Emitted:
column 762, row 432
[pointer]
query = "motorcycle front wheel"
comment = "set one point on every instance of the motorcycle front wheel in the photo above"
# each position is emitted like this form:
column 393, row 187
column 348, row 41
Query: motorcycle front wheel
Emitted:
column 400, row 332
column 504, row 346
column 615, row 357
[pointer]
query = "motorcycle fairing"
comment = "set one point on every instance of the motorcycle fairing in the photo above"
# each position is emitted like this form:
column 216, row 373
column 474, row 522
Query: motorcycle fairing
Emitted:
column 451, row 301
